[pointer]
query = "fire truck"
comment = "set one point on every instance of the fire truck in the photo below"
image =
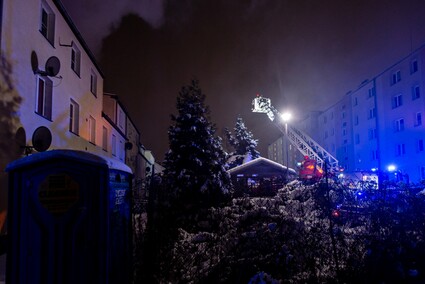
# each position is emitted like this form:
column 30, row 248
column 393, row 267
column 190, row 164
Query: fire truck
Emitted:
column 317, row 161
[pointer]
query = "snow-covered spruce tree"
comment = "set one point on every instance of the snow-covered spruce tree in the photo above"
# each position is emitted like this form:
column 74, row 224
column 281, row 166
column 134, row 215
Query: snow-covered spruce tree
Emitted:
column 194, row 165
column 243, row 143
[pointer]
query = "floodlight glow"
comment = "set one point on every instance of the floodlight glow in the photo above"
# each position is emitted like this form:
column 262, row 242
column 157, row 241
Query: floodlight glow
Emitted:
column 286, row 116
column 391, row 168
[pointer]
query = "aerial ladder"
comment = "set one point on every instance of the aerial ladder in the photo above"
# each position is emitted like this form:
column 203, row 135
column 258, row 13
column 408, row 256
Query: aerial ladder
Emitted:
column 303, row 142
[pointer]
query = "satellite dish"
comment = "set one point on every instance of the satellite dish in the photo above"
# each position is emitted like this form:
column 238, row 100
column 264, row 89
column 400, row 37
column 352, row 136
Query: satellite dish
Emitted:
column 34, row 62
column 53, row 66
column 41, row 139
column 20, row 139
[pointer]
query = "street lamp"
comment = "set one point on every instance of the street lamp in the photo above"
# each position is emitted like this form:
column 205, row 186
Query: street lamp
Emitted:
column 286, row 116
column 391, row 168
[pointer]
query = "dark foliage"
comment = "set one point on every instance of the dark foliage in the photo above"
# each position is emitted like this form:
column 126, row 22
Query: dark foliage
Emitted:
column 194, row 165
column 243, row 143
column 323, row 233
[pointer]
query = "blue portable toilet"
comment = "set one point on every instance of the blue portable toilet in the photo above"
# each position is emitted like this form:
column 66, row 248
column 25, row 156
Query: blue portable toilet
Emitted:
column 69, row 219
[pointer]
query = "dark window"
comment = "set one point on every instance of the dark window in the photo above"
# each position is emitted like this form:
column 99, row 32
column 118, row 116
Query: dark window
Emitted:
column 44, row 97
column 47, row 23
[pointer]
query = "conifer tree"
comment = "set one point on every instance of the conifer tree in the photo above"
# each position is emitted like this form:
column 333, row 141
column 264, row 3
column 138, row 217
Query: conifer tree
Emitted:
column 243, row 143
column 194, row 164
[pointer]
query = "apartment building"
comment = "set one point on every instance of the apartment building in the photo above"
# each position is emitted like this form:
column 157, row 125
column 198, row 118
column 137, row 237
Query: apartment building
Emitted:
column 379, row 124
column 365, row 128
column 57, row 87
column 335, row 132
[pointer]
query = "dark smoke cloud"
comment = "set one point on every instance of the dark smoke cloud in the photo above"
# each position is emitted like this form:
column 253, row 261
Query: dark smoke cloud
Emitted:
column 305, row 55
column 96, row 18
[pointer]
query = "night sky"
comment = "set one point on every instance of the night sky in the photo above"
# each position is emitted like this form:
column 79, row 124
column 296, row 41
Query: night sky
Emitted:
column 305, row 54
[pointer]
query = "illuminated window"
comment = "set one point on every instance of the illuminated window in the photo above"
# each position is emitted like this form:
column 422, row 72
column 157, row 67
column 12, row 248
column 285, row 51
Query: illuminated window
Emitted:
column 104, row 138
column 93, row 83
column 416, row 92
column 414, row 67
column 75, row 59
column 92, row 130
column 44, row 97
column 395, row 77
column 399, row 125
column 74, row 117
column 397, row 101
column 47, row 22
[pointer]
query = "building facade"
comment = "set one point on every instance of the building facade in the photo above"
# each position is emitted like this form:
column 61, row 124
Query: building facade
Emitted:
column 52, row 93
column 378, row 125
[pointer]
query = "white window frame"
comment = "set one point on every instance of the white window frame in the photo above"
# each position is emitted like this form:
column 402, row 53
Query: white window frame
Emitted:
column 397, row 101
column 74, row 117
column 121, row 150
column 121, row 118
column 414, row 66
column 400, row 149
column 114, row 145
column 105, row 138
column 371, row 92
column 372, row 133
column 75, row 59
column 47, row 22
column 92, row 129
column 399, row 125
column 395, row 77
column 416, row 92
column 93, row 83
column 44, row 97
column 418, row 119
column 422, row 171
column 372, row 113
column 420, row 145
